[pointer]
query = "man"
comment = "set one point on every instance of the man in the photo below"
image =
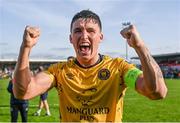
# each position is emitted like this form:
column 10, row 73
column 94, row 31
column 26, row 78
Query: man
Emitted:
column 90, row 87
column 17, row 105
column 43, row 103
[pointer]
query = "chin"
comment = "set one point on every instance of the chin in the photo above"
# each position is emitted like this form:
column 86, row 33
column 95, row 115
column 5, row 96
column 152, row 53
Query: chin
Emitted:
column 85, row 57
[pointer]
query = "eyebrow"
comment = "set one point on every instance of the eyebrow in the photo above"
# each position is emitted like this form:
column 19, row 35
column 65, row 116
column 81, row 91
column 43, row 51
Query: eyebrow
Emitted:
column 75, row 29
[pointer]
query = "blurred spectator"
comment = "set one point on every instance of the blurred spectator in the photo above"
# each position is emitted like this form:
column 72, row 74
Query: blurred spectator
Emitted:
column 43, row 101
column 17, row 105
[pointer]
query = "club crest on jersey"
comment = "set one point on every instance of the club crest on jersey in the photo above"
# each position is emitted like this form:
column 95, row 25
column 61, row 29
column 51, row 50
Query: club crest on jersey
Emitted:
column 104, row 74
column 70, row 75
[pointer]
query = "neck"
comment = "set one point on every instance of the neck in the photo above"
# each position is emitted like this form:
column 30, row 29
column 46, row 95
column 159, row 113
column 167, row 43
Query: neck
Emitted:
column 89, row 63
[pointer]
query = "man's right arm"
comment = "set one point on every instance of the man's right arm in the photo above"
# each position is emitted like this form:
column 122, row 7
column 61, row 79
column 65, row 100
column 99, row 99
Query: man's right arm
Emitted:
column 26, row 85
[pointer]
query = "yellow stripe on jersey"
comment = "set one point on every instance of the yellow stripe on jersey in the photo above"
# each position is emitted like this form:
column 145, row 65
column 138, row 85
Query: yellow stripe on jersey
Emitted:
column 131, row 77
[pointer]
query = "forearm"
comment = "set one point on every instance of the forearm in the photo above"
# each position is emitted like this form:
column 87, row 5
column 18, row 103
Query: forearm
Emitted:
column 22, row 75
column 151, row 83
column 153, row 79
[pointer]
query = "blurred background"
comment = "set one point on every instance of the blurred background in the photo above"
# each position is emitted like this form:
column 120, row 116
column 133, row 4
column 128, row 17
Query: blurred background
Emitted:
column 158, row 22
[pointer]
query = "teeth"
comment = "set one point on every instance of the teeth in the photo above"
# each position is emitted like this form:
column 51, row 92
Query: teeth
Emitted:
column 84, row 47
column 85, row 44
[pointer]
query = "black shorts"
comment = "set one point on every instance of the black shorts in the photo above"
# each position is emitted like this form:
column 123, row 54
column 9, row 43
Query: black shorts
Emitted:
column 44, row 96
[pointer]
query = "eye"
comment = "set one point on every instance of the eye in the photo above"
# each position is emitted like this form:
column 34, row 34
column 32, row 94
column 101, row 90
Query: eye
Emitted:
column 91, row 30
column 77, row 30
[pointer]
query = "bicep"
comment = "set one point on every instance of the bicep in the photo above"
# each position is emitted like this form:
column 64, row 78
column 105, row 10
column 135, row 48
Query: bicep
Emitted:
column 141, row 87
column 39, row 84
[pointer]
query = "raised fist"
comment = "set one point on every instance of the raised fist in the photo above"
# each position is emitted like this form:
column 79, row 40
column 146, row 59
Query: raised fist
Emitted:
column 30, row 36
column 132, row 36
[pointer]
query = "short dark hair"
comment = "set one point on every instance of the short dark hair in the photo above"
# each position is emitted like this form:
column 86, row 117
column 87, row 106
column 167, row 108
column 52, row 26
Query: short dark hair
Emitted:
column 86, row 14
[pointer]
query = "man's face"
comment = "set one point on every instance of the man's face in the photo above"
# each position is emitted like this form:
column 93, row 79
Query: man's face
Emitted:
column 85, row 37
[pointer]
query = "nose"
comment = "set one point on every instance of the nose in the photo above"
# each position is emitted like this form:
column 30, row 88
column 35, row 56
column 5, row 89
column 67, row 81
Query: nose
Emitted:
column 84, row 35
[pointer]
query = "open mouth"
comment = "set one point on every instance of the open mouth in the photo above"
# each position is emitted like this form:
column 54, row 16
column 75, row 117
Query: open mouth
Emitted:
column 84, row 48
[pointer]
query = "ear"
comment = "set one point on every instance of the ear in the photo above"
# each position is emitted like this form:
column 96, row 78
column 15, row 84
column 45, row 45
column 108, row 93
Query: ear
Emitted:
column 70, row 38
column 101, row 37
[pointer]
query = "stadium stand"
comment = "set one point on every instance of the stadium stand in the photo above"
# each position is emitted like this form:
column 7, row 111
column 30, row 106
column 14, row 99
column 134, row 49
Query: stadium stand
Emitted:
column 169, row 63
column 7, row 65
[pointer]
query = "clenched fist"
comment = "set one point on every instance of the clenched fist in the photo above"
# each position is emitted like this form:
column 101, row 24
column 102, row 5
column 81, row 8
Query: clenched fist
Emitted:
column 30, row 36
column 132, row 36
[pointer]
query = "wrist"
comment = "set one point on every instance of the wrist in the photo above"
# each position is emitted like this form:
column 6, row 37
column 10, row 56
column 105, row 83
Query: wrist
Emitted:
column 140, row 46
column 24, row 51
column 25, row 47
column 141, row 49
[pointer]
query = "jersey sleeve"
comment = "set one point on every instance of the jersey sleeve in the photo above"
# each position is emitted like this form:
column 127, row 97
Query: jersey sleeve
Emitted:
column 52, row 72
column 129, row 72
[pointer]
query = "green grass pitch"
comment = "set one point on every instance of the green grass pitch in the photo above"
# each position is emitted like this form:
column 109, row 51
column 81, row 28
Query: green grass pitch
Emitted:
column 136, row 107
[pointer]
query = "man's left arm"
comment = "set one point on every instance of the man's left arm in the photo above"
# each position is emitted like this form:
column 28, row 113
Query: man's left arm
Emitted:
column 151, row 83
